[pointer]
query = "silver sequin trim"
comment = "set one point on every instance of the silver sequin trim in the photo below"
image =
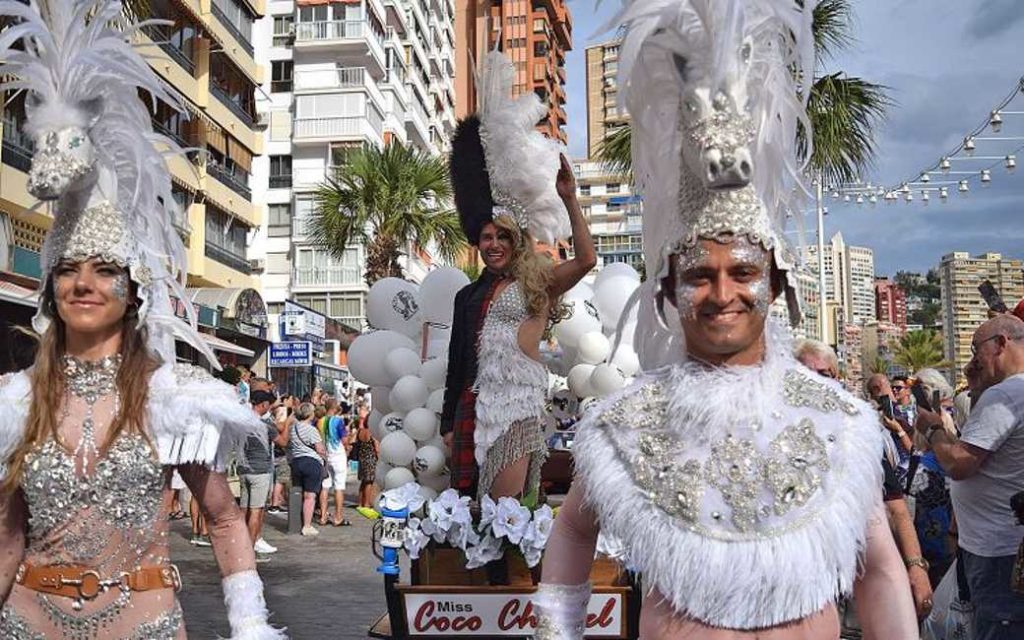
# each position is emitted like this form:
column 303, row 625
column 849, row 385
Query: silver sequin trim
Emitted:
column 91, row 380
column 798, row 390
column 163, row 628
column 14, row 627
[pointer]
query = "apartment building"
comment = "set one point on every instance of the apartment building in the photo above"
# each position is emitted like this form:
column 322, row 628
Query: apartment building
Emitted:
column 603, row 113
column 343, row 74
column 849, row 283
column 535, row 34
column 206, row 54
column 614, row 213
column 890, row 303
column 963, row 308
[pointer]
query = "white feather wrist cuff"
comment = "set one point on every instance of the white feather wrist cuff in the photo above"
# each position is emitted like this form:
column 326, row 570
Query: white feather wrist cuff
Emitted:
column 561, row 611
column 247, row 610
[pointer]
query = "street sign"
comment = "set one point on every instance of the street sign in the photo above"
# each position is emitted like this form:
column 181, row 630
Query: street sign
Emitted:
column 291, row 354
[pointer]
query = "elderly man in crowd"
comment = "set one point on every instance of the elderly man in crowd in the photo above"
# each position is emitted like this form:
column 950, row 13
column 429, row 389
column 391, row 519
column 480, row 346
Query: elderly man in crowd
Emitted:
column 987, row 466
column 818, row 357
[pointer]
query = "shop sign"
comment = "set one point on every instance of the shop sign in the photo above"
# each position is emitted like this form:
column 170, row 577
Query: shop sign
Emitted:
column 299, row 323
column 250, row 309
column 501, row 614
column 291, row 354
column 249, row 330
column 329, row 373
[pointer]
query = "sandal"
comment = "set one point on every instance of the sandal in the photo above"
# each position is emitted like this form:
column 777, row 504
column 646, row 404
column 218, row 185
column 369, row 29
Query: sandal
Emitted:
column 176, row 515
column 344, row 523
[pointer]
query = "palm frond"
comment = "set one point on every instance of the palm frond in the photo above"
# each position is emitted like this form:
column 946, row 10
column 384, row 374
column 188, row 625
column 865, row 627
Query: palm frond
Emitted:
column 832, row 28
column 614, row 152
column 920, row 350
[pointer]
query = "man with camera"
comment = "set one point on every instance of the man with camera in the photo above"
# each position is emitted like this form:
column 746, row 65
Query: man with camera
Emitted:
column 987, row 466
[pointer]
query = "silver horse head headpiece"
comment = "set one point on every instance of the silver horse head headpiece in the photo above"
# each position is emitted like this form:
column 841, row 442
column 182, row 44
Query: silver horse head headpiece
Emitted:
column 716, row 90
column 97, row 157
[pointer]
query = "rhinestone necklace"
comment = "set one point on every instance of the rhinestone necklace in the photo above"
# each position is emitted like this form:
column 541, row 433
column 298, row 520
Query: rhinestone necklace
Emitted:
column 90, row 381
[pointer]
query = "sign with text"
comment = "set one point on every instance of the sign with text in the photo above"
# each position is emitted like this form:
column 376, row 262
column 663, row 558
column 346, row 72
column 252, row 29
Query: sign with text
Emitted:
column 509, row 613
column 291, row 354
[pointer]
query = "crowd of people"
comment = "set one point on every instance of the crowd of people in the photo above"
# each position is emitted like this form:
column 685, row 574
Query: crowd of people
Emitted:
column 954, row 462
column 308, row 443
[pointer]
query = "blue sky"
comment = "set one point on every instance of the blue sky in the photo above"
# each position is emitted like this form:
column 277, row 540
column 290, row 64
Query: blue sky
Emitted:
column 947, row 63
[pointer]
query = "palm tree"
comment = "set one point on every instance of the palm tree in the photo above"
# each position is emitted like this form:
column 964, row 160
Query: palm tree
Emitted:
column 878, row 364
column 842, row 109
column 919, row 350
column 384, row 198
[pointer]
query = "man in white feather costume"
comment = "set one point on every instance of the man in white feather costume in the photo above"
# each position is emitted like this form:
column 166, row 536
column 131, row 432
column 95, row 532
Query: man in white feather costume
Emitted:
column 744, row 489
column 90, row 434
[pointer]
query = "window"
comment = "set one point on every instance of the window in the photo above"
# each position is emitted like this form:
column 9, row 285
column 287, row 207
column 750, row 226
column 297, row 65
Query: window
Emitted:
column 281, row 76
column 340, row 152
column 284, row 30
column 540, row 48
column 225, row 239
column 237, row 19
column 278, row 263
column 584, row 189
column 346, row 305
column 614, row 187
column 232, row 87
column 275, row 308
column 539, row 25
column 279, row 220
column 280, row 172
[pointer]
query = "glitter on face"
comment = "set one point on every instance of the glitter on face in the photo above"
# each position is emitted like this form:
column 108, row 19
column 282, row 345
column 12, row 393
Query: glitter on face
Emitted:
column 743, row 251
column 686, row 260
column 120, row 287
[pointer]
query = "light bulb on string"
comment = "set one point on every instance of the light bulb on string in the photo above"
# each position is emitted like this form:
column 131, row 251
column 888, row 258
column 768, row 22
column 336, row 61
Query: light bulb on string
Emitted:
column 873, row 199
column 925, row 177
column 944, row 164
column 846, row 197
column 925, row 197
column 944, row 193
column 860, row 199
column 986, row 177
column 909, row 197
column 1011, row 163
column 963, row 187
column 969, row 145
column 996, row 121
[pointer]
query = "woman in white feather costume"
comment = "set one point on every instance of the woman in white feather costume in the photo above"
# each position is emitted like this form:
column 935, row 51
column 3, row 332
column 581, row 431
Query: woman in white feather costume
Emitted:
column 90, row 435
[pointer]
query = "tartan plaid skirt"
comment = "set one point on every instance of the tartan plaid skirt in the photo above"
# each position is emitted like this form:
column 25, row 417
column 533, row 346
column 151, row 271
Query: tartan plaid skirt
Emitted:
column 462, row 465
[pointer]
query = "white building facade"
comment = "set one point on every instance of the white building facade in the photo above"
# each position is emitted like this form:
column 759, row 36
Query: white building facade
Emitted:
column 849, row 284
column 341, row 75
column 613, row 211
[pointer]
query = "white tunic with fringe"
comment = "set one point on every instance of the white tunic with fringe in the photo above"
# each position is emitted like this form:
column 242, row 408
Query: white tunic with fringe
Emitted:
column 741, row 494
column 510, row 385
column 192, row 416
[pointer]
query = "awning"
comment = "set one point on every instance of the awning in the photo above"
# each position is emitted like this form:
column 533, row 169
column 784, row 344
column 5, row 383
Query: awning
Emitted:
column 11, row 292
column 223, row 345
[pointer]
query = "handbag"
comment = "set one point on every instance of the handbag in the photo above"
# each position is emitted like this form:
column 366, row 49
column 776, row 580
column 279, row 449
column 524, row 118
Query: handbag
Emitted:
column 324, row 472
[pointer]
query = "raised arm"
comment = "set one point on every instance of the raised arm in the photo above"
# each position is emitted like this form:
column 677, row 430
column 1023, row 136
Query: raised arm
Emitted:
column 232, row 548
column 13, row 517
column 564, row 590
column 884, row 604
column 568, row 273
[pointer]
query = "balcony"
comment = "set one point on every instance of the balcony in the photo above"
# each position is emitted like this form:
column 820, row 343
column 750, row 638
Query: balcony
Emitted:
column 327, row 276
column 228, row 258
column 417, row 123
column 18, row 147
column 237, row 182
column 232, row 29
column 354, row 36
column 335, row 128
column 176, row 54
column 232, row 106
column 283, row 181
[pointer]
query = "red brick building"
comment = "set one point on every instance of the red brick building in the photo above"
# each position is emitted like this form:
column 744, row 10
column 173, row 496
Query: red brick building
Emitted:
column 891, row 303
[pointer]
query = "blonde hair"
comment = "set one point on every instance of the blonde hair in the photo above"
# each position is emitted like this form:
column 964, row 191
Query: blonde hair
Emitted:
column 48, row 388
column 533, row 271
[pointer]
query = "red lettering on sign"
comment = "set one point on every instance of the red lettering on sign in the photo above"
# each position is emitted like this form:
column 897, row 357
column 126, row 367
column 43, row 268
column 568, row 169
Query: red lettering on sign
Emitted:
column 510, row 617
column 603, row 619
column 425, row 620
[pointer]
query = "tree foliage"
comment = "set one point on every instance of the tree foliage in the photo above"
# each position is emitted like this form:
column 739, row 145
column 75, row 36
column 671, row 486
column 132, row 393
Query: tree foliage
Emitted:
column 918, row 350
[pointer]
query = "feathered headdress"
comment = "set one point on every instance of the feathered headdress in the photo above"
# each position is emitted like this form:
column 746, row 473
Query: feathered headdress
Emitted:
column 82, row 78
column 500, row 164
column 716, row 90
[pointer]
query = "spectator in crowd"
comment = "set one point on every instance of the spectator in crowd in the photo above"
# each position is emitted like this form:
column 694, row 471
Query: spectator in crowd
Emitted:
column 243, row 385
column 987, row 466
column 818, row 357
column 366, row 450
column 261, row 384
column 256, row 474
column 334, row 433
column 200, row 532
column 177, row 486
column 929, row 486
column 284, row 416
column 899, row 446
column 905, row 407
column 306, row 455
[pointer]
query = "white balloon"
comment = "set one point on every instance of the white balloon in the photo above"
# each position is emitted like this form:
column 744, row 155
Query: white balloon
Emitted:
column 429, row 461
column 382, row 472
column 435, row 402
column 410, row 392
column 402, row 362
column 379, row 399
column 581, row 291
column 398, row 477
column 594, row 347
column 420, row 424
column 606, row 379
column 626, row 360
column 434, row 372
column 397, row 449
column 393, row 303
column 611, row 298
column 366, row 356
column 436, row 441
column 613, row 270
column 437, row 293
column 583, row 319
column 391, row 423
column 373, row 420
column 427, row 493
column 437, row 483
column 579, row 380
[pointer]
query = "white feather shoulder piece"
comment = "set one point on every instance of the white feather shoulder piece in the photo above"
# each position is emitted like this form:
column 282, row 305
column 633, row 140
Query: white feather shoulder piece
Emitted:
column 741, row 494
column 195, row 418
column 522, row 164
column 15, row 397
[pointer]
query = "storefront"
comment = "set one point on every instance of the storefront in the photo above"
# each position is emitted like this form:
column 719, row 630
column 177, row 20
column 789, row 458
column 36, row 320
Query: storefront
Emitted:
column 300, row 326
column 18, row 304
column 237, row 325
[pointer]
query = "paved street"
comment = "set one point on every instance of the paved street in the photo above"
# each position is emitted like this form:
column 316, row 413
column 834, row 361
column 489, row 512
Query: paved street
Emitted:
column 320, row 588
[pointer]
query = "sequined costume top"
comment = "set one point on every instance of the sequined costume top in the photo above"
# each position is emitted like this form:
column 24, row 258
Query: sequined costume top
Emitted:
column 741, row 494
column 510, row 385
column 104, row 510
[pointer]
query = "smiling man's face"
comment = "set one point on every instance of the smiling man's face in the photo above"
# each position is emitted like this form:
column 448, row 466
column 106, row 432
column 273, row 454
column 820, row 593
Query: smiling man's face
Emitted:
column 723, row 291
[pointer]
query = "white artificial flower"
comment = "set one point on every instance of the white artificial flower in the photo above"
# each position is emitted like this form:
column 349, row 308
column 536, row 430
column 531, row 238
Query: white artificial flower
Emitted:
column 415, row 538
column 543, row 523
column 462, row 536
column 406, row 496
column 448, row 508
column 532, row 555
column 487, row 511
column 430, row 528
column 488, row 550
column 510, row 520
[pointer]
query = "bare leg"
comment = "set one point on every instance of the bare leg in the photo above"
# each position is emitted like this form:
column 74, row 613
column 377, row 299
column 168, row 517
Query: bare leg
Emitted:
column 323, row 507
column 339, row 506
column 254, row 522
column 308, row 498
column 277, row 499
column 511, row 481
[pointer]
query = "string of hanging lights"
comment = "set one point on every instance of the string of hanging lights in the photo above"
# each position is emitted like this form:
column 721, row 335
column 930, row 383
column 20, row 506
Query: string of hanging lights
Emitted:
column 955, row 170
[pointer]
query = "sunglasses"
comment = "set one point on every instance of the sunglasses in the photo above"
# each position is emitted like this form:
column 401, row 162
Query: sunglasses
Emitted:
column 898, row 387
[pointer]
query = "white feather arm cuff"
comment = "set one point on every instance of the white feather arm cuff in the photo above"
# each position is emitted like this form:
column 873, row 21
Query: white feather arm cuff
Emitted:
column 561, row 611
column 247, row 610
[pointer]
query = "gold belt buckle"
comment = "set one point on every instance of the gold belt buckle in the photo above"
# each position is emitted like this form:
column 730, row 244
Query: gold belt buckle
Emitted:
column 89, row 584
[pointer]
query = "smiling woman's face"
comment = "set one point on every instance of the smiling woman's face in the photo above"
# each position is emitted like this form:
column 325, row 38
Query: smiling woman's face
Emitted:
column 91, row 296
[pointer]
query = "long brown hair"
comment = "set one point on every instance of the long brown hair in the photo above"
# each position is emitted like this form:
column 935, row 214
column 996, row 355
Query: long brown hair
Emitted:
column 48, row 386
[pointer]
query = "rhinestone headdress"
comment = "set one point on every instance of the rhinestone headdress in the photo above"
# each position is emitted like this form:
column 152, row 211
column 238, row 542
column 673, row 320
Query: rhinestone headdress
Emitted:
column 501, row 165
column 702, row 75
column 97, row 156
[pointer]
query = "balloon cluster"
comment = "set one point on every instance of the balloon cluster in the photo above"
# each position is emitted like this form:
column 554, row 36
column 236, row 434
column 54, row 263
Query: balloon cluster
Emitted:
column 407, row 391
column 587, row 336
